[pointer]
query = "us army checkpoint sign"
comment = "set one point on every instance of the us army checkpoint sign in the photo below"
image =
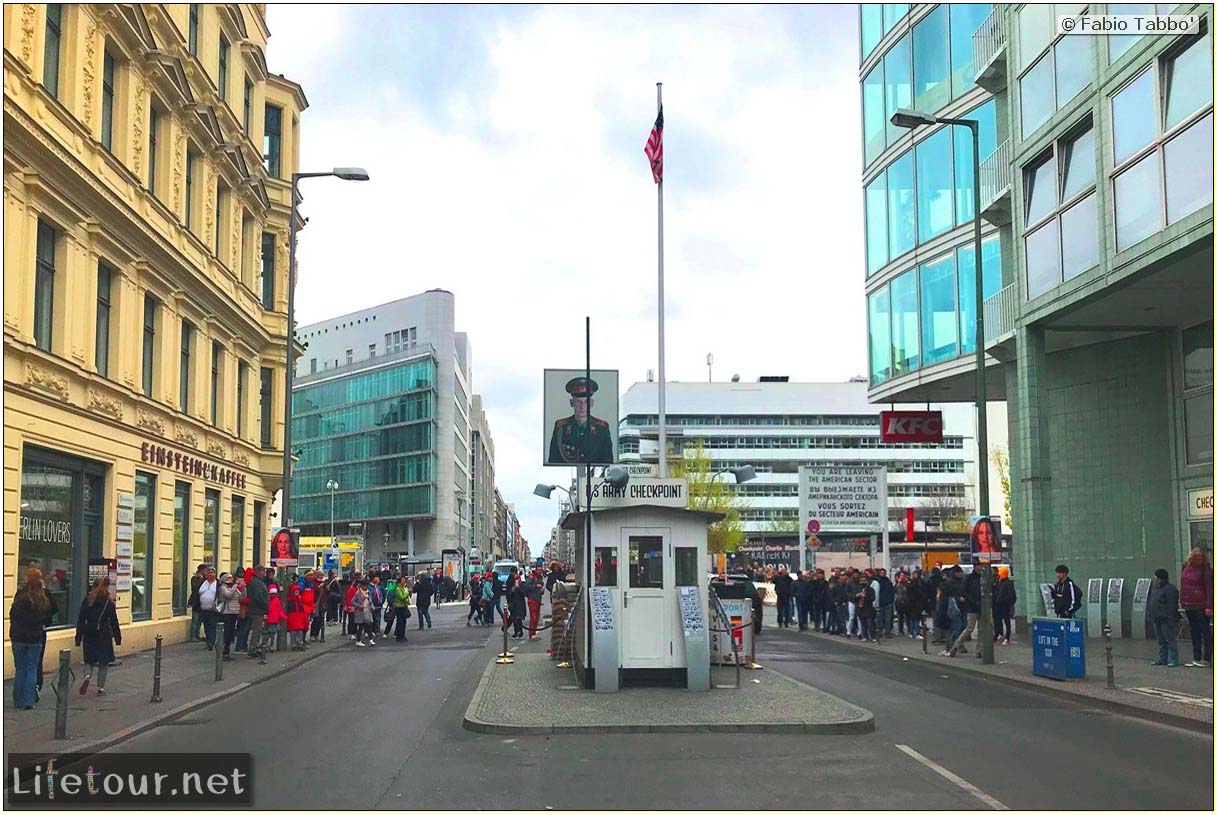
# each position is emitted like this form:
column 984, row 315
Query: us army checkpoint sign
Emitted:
column 580, row 416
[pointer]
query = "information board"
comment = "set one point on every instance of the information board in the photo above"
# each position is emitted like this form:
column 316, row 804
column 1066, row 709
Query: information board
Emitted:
column 604, row 640
column 843, row 499
column 1095, row 597
column 1138, row 620
column 1046, row 594
column 1116, row 586
column 697, row 648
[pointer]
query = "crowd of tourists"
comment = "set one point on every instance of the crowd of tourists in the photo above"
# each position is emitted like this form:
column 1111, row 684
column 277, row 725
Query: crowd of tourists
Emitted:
column 944, row 604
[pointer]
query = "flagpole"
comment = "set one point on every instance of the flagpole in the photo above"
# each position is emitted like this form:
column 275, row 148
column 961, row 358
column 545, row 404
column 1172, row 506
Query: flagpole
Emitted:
column 660, row 230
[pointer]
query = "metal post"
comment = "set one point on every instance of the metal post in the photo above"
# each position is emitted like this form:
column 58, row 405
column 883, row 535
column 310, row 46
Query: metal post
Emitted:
column 589, row 551
column 1108, row 656
column 922, row 617
column 61, row 695
column 219, row 648
column 986, row 624
column 505, row 656
column 660, row 236
column 285, row 500
column 156, row 672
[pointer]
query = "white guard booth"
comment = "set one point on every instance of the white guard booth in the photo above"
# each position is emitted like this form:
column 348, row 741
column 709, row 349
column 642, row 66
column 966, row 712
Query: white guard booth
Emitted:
column 645, row 619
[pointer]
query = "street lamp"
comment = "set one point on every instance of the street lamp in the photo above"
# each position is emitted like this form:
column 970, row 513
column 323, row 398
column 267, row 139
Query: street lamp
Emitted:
column 332, row 486
column 911, row 119
column 346, row 174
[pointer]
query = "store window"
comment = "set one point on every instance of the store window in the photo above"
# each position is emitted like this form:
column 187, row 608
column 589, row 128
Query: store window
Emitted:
column 1198, row 353
column 931, row 64
column 1164, row 145
column 211, row 527
column 1062, row 228
column 646, row 562
column 878, row 322
column 904, row 300
column 143, row 534
column 901, row 210
column 60, row 524
column 939, row 321
column 933, row 157
column 181, row 546
column 1058, row 67
column 236, row 540
column 258, row 534
column 606, row 566
column 876, row 203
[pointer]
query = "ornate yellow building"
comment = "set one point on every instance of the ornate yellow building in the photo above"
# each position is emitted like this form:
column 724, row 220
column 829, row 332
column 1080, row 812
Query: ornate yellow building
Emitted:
column 148, row 153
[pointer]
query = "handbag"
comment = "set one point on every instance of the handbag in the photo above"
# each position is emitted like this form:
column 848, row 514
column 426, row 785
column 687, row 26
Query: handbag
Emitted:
column 93, row 626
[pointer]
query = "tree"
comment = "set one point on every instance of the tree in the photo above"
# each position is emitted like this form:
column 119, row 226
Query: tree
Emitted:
column 712, row 494
column 951, row 512
column 1002, row 463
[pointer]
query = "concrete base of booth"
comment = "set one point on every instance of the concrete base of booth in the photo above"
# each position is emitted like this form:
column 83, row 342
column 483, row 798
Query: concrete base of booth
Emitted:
column 532, row 696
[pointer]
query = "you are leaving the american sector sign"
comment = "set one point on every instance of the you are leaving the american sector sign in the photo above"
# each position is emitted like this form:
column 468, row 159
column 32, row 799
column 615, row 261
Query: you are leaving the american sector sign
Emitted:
column 844, row 499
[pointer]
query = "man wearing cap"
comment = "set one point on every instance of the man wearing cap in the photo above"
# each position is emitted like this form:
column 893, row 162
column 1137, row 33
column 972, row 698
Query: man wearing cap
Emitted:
column 581, row 437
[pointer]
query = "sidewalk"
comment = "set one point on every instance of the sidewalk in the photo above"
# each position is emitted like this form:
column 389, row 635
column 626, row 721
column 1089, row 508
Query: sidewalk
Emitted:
column 1182, row 696
column 187, row 682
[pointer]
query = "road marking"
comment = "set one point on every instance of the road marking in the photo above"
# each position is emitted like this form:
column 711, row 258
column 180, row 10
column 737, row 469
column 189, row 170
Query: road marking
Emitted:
column 1175, row 696
column 989, row 800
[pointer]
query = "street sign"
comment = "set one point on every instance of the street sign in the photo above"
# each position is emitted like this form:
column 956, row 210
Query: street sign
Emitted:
column 905, row 426
column 845, row 499
column 661, row 492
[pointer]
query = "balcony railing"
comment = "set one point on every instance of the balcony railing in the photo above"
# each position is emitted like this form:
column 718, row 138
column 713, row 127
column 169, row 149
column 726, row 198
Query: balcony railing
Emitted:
column 1000, row 312
column 990, row 51
column 996, row 186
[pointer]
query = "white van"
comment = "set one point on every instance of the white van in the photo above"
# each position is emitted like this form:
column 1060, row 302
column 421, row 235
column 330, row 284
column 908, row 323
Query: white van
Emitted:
column 503, row 568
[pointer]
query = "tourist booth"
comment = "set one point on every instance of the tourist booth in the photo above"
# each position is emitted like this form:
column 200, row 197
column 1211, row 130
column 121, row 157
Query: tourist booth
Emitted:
column 646, row 616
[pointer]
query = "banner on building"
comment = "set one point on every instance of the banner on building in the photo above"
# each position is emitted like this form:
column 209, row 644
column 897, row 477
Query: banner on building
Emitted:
column 580, row 415
column 911, row 426
column 285, row 547
column 843, row 499
column 985, row 542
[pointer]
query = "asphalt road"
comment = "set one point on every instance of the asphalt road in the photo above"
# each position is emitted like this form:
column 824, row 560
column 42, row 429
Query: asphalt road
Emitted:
column 381, row 728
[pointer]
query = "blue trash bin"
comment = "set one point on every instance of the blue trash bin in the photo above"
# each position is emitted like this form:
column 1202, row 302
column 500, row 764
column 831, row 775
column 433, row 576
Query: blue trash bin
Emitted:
column 1058, row 649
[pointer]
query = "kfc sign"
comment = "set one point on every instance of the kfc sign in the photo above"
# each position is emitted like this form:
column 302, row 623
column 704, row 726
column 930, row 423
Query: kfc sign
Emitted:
column 925, row 426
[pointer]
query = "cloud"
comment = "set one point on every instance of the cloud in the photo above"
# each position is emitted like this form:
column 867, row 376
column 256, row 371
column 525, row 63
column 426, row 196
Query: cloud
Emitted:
column 505, row 149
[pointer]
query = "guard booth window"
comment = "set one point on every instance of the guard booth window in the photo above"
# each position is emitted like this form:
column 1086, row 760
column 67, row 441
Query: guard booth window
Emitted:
column 687, row 566
column 606, row 566
column 646, row 563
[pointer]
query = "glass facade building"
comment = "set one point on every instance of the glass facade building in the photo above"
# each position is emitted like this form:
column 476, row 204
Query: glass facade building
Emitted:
column 1096, row 184
column 371, row 429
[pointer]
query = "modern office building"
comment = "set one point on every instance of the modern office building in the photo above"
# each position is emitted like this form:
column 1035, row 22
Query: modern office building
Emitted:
column 482, row 480
column 147, row 157
column 380, row 407
column 501, row 521
column 1097, row 200
column 778, row 426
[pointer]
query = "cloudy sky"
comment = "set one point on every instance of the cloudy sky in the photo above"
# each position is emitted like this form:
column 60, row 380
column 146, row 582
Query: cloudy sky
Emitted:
column 505, row 149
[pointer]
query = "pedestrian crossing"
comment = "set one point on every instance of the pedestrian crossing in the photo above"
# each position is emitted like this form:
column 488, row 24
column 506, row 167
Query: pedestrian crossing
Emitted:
column 1175, row 696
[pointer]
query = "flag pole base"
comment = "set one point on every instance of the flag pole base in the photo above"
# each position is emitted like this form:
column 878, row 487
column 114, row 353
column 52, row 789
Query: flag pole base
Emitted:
column 505, row 660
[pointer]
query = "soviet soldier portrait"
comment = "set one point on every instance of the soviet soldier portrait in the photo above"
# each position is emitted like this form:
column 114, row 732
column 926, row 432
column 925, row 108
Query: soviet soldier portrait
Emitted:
column 581, row 437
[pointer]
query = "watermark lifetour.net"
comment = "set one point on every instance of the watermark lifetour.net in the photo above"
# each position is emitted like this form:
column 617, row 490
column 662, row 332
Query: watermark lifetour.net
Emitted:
column 72, row 779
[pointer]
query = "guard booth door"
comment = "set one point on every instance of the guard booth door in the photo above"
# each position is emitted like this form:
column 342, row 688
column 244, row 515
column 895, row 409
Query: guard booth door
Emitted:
column 646, row 577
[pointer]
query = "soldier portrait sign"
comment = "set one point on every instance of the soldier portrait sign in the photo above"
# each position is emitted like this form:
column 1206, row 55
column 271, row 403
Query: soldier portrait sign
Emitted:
column 580, row 417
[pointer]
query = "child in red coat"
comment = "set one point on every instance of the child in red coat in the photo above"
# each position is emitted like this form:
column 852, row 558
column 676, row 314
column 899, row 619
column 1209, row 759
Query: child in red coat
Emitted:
column 275, row 617
column 300, row 606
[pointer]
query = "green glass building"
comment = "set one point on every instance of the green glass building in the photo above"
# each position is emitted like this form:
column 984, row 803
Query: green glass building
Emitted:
column 371, row 427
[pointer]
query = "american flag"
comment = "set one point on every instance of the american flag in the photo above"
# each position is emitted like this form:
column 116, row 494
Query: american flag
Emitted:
column 655, row 148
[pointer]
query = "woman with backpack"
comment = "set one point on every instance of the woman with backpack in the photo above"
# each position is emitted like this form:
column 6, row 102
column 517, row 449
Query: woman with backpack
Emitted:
column 361, row 613
column 32, row 611
column 228, row 604
column 488, row 598
column 97, row 631
column 401, row 608
column 1197, row 600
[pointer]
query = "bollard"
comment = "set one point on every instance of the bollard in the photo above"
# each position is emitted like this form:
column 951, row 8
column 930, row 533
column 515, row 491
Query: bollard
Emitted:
column 923, row 618
column 61, row 694
column 323, row 622
column 1108, row 656
column 505, row 656
column 156, row 672
column 219, row 648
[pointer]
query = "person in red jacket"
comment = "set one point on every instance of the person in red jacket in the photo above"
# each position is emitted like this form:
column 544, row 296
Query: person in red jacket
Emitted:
column 1197, row 600
column 300, row 606
column 275, row 617
column 352, row 626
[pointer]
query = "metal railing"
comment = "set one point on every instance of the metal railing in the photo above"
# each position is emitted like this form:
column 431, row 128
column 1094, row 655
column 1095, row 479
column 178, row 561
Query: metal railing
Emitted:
column 995, row 176
column 1000, row 312
column 989, row 42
